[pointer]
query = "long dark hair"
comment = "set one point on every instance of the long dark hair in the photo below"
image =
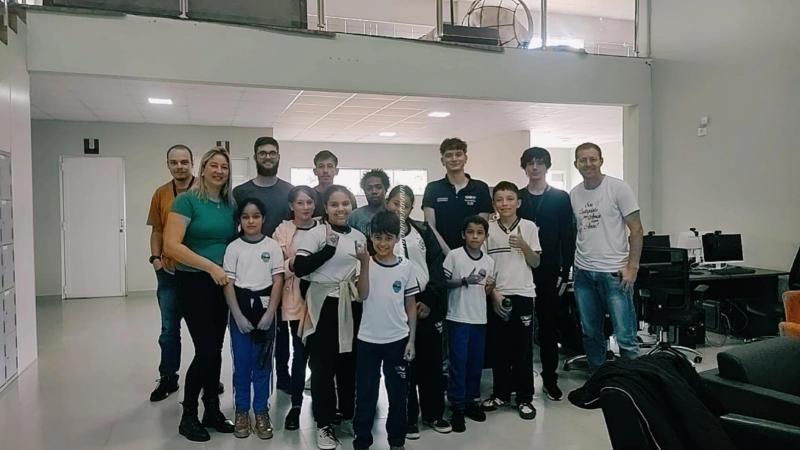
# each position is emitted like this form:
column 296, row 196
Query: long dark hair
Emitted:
column 327, row 195
column 243, row 204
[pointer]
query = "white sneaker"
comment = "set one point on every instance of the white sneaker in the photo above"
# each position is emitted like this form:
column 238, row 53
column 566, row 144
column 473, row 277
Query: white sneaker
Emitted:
column 326, row 438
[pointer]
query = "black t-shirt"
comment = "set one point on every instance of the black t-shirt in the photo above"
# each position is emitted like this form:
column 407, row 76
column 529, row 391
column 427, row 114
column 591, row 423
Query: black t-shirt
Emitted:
column 452, row 208
column 319, row 207
column 275, row 198
column 552, row 213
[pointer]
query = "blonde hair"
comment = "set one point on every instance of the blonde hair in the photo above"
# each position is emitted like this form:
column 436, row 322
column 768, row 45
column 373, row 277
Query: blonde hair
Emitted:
column 200, row 187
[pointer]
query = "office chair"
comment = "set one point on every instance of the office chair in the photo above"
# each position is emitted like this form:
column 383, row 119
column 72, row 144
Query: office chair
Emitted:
column 794, row 273
column 668, row 299
column 582, row 358
column 791, row 305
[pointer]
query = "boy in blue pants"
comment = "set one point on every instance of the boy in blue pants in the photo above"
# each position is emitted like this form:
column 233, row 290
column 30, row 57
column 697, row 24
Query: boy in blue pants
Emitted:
column 387, row 285
column 469, row 276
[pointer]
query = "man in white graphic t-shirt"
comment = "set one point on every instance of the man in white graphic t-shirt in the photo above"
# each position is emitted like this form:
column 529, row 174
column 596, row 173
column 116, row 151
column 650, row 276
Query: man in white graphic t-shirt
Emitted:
column 608, row 247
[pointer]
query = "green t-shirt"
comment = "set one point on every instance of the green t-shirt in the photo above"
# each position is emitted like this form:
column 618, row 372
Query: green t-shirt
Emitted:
column 210, row 226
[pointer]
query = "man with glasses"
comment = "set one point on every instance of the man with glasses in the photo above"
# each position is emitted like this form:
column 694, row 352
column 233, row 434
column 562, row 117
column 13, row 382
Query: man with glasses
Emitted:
column 274, row 193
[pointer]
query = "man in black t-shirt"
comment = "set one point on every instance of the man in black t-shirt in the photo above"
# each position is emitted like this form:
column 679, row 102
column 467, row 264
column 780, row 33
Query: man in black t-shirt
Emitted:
column 551, row 210
column 447, row 202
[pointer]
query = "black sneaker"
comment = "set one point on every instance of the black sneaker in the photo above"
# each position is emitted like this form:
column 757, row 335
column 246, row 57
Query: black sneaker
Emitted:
column 457, row 422
column 473, row 411
column 213, row 418
column 292, row 421
column 439, row 426
column 412, row 432
column 526, row 411
column 493, row 404
column 191, row 429
column 166, row 385
column 552, row 391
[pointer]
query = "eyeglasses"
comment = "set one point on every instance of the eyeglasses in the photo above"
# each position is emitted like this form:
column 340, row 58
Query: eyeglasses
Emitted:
column 270, row 154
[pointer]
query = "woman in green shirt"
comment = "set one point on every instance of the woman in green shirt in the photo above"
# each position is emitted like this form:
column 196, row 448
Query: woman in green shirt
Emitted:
column 199, row 227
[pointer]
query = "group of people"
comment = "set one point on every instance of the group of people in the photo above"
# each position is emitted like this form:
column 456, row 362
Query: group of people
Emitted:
column 357, row 289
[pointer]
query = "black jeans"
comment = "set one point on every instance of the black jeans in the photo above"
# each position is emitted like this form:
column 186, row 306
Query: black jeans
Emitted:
column 425, row 373
column 368, row 379
column 548, row 304
column 299, row 362
column 327, row 364
column 512, row 351
column 206, row 313
column 282, row 351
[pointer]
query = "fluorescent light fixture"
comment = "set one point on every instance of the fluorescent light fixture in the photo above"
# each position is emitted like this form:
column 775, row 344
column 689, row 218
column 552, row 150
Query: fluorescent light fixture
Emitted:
column 159, row 101
column 439, row 114
column 387, row 134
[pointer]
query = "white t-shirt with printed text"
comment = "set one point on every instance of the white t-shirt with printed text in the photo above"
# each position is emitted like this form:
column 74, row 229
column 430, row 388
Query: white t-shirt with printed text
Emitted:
column 602, row 240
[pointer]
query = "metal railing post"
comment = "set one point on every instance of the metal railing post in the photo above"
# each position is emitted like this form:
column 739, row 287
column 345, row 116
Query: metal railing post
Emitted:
column 636, row 30
column 439, row 20
column 544, row 24
column 321, row 15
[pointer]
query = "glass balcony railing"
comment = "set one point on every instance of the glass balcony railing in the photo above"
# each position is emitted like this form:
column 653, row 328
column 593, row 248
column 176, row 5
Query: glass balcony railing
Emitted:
column 606, row 27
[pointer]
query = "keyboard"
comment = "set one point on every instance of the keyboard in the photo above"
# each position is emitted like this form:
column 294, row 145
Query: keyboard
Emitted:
column 734, row 270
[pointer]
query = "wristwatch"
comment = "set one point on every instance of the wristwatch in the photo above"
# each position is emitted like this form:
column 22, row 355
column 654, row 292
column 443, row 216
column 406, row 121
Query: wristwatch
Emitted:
column 464, row 281
column 154, row 257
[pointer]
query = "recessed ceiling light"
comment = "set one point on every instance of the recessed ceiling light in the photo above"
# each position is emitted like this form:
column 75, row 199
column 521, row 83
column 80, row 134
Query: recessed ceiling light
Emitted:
column 160, row 101
column 439, row 114
column 387, row 134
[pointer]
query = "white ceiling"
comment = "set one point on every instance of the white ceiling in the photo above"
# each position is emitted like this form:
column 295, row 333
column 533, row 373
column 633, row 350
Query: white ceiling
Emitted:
column 317, row 116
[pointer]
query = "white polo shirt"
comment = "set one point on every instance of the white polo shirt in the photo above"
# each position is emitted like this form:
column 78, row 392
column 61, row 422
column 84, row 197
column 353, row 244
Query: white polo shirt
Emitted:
column 384, row 319
column 514, row 275
column 467, row 304
column 251, row 265
column 341, row 265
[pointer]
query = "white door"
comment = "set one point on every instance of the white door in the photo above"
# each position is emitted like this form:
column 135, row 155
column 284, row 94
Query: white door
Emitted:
column 93, row 226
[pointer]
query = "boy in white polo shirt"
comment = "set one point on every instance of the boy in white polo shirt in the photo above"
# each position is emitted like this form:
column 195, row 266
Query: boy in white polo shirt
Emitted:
column 469, row 275
column 387, row 286
column 513, row 243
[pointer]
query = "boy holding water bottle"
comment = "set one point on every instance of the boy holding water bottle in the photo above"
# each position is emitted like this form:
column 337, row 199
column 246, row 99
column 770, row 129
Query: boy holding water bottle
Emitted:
column 513, row 244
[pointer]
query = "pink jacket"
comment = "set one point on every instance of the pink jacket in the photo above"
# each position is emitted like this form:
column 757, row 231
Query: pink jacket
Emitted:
column 293, row 306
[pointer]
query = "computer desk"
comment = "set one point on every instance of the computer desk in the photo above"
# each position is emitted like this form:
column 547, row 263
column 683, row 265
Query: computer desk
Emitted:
column 749, row 299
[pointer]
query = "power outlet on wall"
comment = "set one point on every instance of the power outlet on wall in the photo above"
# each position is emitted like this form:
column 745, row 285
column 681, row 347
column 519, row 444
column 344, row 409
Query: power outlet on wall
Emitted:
column 702, row 131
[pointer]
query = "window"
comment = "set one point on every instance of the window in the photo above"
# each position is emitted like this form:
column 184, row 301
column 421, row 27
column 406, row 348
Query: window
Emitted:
column 351, row 178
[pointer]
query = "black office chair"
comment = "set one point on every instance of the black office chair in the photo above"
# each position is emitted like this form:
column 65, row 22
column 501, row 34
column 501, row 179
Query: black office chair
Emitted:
column 667, row 297
column 794, row 273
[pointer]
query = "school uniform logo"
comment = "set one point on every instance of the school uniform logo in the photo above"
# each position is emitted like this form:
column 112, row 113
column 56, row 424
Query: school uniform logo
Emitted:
column 396, row 286
column 470, row 200
column 400, row 371
column 526, row 320
column 439, row 327
column 265, row 257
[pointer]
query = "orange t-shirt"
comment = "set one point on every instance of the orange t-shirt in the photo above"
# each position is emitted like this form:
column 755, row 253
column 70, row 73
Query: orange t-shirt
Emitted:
column 160, row 206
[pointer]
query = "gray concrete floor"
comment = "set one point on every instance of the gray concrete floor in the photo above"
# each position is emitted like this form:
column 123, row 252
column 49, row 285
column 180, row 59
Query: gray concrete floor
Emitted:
column 98, row 361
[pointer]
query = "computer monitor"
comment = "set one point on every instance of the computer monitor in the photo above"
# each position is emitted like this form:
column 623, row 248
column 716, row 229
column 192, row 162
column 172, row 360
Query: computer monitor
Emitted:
column 656, row 240
column 722, row 249
column 691, row 240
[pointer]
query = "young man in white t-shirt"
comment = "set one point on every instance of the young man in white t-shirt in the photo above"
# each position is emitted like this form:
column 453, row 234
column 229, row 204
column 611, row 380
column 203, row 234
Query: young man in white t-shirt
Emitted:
column 609, row 245
column 387, row 286
column 469, row 275
column 513, row 244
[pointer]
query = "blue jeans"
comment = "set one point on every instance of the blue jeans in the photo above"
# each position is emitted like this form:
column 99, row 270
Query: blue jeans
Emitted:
column 467, row 344
column 170, row 338
column 248, row 370
column 369, row 359
column 598, row 294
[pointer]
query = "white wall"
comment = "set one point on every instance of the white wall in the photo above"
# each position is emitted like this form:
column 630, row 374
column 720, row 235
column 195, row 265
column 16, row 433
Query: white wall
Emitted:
column 15, row 137
column 738, row 62
column 496, row 158
column 143, row 146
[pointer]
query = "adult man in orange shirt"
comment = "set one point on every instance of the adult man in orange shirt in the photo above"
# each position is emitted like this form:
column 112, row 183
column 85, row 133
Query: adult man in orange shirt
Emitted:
column 179, row 162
